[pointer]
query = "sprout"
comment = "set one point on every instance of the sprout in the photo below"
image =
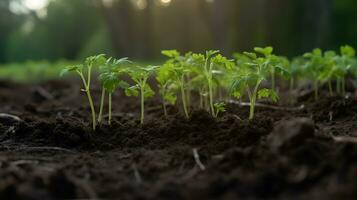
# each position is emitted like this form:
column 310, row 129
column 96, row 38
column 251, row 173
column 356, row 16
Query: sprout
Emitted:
column 249, row 79
column 179, row 69
column 110, row 79
column 166, row 85
column 212, row 64
column 85, row 73
column 140, row 76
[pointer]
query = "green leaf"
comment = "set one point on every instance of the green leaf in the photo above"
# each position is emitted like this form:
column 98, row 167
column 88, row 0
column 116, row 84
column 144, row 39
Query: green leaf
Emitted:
column 72, row 68
column 265, row 51
column 132, row 91
column 211, row 53
column 170, row 97
column 220, row 107
column 148, row 92
column 97, row 60
column 170, row 53
column 267, row 93
column 237, row 94
column 348, row 51
column 250, row 55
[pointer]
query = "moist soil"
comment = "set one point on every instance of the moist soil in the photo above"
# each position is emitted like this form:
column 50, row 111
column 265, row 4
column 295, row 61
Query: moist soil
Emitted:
column 305, row 150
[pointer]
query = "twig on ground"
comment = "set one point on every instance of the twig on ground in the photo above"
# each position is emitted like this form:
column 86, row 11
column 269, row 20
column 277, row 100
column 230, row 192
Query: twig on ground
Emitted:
column 24, row 162
column 247, row 104
column 197, row 159
column 136, row 174
column 344, row 139
column 44, row 93
column 40, row 149
column 119, row 115
column 9, row 116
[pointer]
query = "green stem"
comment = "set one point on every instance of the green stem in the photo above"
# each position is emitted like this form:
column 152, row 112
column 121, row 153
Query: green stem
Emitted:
column 94, row 123
column 330, row 88
column 101, row 106
column 210, row 93
column 164, row 107
column 273, row 81
column 183, row 96
column 142, row 95
column 163, row 101
column 338, row 86
column 201, row 101
column 89, row 96
column 292, row 82
column 252, row 107
column 253, row 99
column 110, row 108
column 343, row 86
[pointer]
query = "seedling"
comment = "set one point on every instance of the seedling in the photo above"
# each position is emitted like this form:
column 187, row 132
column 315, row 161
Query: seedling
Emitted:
column 219, row 108
column 167, row 86
column 313, row 69
column 274, row 65
column 140, row 76
column 250, row 79
column 212, row 64
column 110, row 79
column 178, row 71
column 85, row 73
column 345, row 64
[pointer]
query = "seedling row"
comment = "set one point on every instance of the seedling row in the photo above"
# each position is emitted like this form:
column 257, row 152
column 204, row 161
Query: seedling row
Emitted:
column 214, row 78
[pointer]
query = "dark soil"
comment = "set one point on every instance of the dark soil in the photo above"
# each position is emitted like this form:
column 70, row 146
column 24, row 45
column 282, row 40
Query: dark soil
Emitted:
column 51, row 153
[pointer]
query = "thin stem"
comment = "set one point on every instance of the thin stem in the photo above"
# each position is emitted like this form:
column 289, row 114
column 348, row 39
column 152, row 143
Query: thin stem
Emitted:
column 183, row 96
column 338, row 86
column 89, row 96
column 253, row 99
column 273, row 81
column 330, row 87
column 210, row 93
column 292, row 84
column 101, row 106
column 142, row 102
column 110, row 108
column 163, row 92
column 201, row 101
column 164, row 107
column 343, row 86
column 188, row 93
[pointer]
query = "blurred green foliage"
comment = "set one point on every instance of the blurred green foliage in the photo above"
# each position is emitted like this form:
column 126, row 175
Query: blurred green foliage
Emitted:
column 75, row 29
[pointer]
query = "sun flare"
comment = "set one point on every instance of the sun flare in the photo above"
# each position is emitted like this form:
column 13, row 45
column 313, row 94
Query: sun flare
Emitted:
column 35, row 4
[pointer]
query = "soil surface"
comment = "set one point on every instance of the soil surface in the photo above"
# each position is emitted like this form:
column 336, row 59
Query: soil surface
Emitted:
column 307, row 150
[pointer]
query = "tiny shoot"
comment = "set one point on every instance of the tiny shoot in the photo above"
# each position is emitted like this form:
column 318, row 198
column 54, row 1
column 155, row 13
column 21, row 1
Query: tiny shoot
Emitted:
column 140, row 76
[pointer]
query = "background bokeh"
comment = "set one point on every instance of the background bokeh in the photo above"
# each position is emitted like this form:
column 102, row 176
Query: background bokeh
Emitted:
column 73, row 29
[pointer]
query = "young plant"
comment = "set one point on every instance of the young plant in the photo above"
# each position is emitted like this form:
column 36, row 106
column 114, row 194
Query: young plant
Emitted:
column 179, row 71
column 212, row 64
column 219, row 108
column 110, row 80
column 330, row 70
column 344, row 63
column 295, row 71
column 275, row 65
column 85, row 73
column 167, row 86
column 250, row 79
column 140, row 76
column 313, row 68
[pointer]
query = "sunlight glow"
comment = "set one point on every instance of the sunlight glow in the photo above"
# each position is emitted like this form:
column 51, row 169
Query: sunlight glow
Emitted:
column 165, row 2
column 35, row 4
